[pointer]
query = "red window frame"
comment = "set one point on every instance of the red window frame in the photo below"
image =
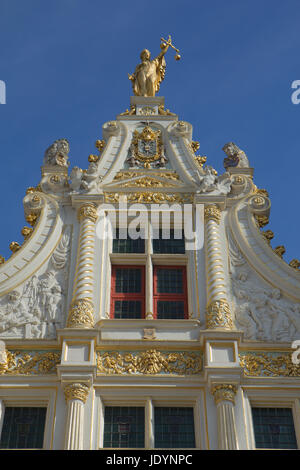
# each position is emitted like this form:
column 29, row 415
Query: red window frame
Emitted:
column 170, row 296
column 127, row 295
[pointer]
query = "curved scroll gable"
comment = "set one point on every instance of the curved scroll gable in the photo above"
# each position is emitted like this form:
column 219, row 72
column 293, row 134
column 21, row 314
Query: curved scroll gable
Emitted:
column 38, row 247
column 114, row 153
column 254, row 247
column 179, row 134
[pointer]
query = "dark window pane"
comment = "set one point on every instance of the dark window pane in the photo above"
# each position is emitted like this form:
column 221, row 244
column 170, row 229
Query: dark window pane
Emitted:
column 128, row 309
column 169, row 246
column 169, row 281
column 128, row 245
column 124, row 426
column 168, row 309
column 128, row 280
column 174, row 427
column 23, row 428
column 274, row 428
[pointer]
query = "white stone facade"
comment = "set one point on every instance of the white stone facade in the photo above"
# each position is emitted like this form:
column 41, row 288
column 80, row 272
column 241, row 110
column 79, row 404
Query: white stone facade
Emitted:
column 62, row 349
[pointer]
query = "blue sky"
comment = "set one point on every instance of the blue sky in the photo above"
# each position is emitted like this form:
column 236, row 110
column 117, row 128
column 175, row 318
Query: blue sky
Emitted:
column 65, row 65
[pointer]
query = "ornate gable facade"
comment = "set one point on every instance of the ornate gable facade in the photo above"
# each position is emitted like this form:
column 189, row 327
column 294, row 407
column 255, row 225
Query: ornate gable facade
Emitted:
column 228, row 352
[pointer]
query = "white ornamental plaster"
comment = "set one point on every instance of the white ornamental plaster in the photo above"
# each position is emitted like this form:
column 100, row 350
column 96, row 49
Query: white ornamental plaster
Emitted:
column 36, row 307
column 263, row 311
column 259, row 254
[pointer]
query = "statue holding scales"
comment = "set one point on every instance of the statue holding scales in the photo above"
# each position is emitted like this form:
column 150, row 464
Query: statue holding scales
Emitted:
column 149, row 74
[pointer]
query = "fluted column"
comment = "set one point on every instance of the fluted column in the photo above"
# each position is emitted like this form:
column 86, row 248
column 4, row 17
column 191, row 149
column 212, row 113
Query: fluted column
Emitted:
column 81, row 314
column 218, row 311
column 225, row 400
column 76, row 395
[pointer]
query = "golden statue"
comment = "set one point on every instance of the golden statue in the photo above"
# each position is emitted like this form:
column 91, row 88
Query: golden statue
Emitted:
column 149, row 74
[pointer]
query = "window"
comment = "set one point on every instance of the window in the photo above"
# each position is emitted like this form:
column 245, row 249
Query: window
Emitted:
column 170, row 292
column 171, row 245
column 128, row 245
column 23, row 428
column 128, row 292
column 124, row 426
column 174, row 427
column 274, row 428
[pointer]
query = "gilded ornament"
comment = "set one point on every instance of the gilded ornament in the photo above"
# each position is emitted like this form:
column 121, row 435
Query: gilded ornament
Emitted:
column 264, row 364
column 149, row 74
column 224, row 392
column 195, row 145
column 147, row 111
column 147, row 146
column 149, row 197
column 76, row 391
column 294, row 263
column 93, row 158
column 259, row 201
column 31, row 362
column 123, row 175
column 81, row 314
column 212, row 213
column 130, row 112
column 150, row 362
column 88, row 211
column 200, row 160
column 279, row 250
column 164, row 112
column 14, row 247
column 2, row 259
column 148, row 182
column 261, row 220
column 26, row 232
column 263, row 192
column 268, row 235
column 219, row 315
column 32, row 219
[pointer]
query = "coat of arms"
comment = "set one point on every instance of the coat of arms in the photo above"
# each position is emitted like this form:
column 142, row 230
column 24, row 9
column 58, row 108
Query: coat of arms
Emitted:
column 146, row 145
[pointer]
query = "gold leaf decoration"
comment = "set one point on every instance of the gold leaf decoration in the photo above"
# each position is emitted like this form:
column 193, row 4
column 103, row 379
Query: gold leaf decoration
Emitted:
column 31, row 362
column 150, row 362
column 257, row 364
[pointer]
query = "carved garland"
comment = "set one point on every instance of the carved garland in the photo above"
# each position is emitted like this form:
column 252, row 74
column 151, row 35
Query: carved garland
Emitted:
column 29, row 362
column 151, row 362
column 257, row 364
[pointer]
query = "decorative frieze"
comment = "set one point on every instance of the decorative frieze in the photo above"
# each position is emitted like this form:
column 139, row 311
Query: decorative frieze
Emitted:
column 268, row 364
column 150, row 362
column 29, row 362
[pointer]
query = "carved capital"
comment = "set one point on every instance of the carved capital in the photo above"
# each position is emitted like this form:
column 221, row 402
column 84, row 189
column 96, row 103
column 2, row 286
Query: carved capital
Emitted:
column 81, row 314
column 212, row 212
column 224, row 392
column 87, row 211
column 219, row 315
column 76, row 391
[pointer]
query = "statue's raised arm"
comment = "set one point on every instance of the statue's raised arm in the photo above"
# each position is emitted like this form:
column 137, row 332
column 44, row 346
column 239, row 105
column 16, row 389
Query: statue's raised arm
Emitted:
column 149, row 74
